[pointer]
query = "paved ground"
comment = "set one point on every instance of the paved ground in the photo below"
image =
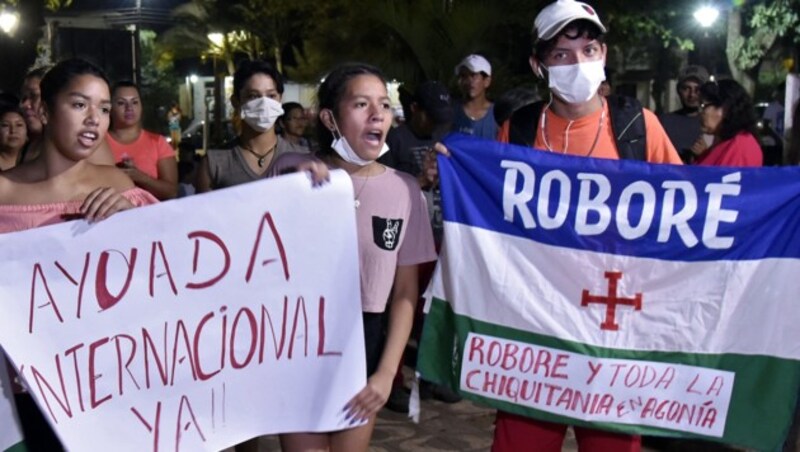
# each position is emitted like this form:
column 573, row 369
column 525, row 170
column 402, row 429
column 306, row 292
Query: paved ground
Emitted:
column 461, row 426
column 467, row 427
column 464, row 427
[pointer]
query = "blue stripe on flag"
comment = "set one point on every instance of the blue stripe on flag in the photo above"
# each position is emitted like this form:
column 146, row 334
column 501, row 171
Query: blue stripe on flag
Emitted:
column 758, row 209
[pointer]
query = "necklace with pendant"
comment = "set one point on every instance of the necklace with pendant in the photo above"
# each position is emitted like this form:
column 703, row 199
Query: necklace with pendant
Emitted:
column 361, row 190
column 261, row 157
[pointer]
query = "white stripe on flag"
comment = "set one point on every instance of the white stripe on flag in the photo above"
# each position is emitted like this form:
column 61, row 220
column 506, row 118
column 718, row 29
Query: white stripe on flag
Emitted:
column 624, row 391
column 746, row 307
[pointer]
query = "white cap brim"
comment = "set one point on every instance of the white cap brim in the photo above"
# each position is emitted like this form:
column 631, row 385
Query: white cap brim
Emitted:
column 558, row 15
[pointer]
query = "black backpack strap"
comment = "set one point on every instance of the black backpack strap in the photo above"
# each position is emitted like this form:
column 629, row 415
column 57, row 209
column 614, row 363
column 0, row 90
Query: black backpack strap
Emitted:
column 524, row 123
column 627, row 121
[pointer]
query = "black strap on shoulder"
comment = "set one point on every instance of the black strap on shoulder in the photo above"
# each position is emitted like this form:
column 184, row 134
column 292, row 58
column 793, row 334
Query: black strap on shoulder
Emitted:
column 627, row 121
column 524, row 123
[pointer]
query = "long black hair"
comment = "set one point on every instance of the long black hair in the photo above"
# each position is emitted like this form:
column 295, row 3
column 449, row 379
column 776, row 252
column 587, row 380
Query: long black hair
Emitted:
column 124, row 84
column 7, row 107
column 249, row 68
column 738, row 114
column 60, row 75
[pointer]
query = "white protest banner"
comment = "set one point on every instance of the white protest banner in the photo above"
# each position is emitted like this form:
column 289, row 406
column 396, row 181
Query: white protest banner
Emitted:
column 10, row 432
column 192, row 324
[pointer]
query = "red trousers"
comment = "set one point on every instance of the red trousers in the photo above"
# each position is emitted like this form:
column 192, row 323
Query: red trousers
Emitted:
column 514, row 433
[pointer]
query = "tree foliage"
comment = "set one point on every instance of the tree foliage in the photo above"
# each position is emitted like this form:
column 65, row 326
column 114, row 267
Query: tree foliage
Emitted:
column 767, row 22
column 278, row 26
column 195, row 21
column 662, row 24
column 158, row 80
column 53, row 5
column 270, row 29
column 413, row 40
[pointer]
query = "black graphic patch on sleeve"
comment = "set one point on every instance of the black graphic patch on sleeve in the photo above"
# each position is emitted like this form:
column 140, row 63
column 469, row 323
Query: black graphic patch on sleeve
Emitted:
column 386, row 232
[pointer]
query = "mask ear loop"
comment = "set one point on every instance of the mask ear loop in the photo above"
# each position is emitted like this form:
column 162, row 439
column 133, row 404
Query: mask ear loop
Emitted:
column 541, row 72
column 335, row 130
column 543, row 124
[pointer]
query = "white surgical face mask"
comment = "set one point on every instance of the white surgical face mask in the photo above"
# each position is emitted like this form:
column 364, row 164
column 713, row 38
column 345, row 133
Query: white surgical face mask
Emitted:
column 346, row 152
column 576, row 83
column 261, row 113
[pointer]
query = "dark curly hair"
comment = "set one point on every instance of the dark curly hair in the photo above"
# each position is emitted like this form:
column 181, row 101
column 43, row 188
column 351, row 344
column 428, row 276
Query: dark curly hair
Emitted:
column 738, row 114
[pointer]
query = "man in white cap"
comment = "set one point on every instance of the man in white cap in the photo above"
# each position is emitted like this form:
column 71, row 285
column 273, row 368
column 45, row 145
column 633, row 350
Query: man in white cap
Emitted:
column 475, row 114
column 570, row 54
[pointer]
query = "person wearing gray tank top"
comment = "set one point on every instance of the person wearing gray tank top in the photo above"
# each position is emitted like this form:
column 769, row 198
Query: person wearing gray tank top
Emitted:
column 257, row 92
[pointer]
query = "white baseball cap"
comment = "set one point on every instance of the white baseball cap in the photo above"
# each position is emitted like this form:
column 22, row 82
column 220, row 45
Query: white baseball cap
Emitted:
column 475, row 63
column 558, row 15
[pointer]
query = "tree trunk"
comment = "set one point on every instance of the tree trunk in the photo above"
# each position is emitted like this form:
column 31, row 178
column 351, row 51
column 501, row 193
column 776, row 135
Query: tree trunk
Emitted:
column 219, row 104
column 734, row 36
column 227, row 54
column 276, row 53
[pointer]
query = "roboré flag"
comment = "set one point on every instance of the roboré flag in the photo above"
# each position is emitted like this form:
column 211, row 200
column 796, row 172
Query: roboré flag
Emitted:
column 639, row 298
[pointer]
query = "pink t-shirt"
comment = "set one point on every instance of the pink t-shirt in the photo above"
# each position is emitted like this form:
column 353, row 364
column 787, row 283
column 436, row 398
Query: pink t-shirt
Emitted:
column 741, row 150
column 20, row 217
column 393, row 228
column 145, row 151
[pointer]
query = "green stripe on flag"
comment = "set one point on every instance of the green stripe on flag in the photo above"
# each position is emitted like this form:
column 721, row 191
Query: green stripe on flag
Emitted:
column 761, row 404
column 19, row 447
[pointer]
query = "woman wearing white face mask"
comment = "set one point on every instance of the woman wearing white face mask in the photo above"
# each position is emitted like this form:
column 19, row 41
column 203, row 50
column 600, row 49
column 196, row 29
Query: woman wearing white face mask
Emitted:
column 257, row 91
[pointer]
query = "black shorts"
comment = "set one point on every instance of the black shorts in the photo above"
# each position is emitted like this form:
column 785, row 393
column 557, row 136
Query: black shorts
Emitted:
column 39, row 436
column 374, row 339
